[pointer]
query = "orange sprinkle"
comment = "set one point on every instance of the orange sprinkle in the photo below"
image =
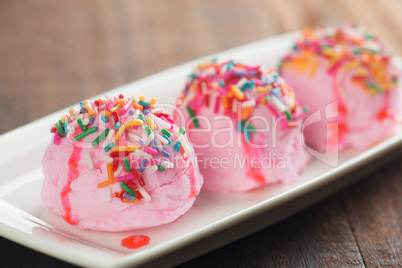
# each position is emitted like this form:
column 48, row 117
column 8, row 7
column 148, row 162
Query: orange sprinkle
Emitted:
column 225, row 102
column 103, row 184
column 245, row 113
column 120, row 101
column 138, row 106
column 129, row 201
column 110, row 173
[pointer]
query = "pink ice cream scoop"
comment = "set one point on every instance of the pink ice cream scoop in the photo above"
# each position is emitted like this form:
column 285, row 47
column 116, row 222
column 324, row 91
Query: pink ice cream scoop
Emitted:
column 345, row 75
column 119, row 164
column 245, row 126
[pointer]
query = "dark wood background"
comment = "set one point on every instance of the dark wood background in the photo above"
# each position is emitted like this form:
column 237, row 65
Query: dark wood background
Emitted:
column 56, row 53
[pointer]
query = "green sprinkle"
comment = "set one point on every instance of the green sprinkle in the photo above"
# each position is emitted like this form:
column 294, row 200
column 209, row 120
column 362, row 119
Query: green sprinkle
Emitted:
column 306, row 109
column 126, row 164
column 141, row 117
column 83, row 127
column 166, row 132
column 192, row 115
column 85, row 133
column 268, row 99
column 375, row 87
column 60, row 130
column 192, row 75
column 288, row 115
column 100, row 137
column 148, row 130
column 127, row 189
column 161, row 168
column 182, row 130
column 250, row 127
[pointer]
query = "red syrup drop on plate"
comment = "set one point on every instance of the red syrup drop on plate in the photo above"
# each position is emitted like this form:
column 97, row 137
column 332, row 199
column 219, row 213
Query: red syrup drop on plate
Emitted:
column 135, row 241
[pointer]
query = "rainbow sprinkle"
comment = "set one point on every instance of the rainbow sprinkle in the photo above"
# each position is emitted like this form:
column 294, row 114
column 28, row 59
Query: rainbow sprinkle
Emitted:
column 131, row 134
column 349, row 47
column 235, row 89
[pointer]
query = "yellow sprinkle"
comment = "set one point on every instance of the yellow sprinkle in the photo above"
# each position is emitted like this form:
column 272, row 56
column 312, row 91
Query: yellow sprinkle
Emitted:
column 130, row 148
column 120, row 132
column 115, row 108
column 151, row 123
column 237, row 92
column 152, row 101
column 135, row 122
column 106, row 113
column 265, row 89
column 63, row 118
column 351, row 65
column 142, row 98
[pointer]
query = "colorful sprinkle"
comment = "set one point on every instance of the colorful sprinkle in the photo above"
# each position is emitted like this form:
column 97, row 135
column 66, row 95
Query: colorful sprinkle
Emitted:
column 85, row 133
column 126, row 164
column 193, row 118
column 100, row 137
column 110, row 146
column 127, row 189
column 177, row 146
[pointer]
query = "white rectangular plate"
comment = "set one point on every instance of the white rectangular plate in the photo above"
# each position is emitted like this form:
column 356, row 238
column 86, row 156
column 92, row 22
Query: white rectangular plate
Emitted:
column 214, row 220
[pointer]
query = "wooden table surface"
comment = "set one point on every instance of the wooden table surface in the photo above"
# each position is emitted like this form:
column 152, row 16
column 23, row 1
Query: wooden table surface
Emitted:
column 55, row 53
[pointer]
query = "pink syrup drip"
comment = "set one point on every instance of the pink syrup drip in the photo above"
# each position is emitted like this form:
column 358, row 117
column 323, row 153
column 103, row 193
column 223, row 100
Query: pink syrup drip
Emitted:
column 72, row 175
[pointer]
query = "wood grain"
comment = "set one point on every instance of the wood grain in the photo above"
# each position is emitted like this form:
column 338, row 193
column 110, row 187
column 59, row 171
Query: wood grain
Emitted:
column 56, row 53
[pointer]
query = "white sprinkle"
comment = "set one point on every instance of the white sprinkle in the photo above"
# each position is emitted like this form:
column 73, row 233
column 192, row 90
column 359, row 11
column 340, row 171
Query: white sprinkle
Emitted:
column 186, row 146
column 241, row 82
column 204, row 88
column 167, row 164
column 77, row 109
column 109, row 138
column 72, row 130
column 89, row 160
column 149, row 139
column 249, row 103
column 158, row 110
column 144, row 193
column 85, row 122
column 159, row 145
column 133, row 137
column 108, row 194
column 223, row 69
column 178, row 134
column 162, row 139
column 143, row 154
column 136, row 113
column 162, row 123
column 108, row 97
column 278, row 104
column 154, row 169
column 118, row 171
column 107, row 158
column 234, row 105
